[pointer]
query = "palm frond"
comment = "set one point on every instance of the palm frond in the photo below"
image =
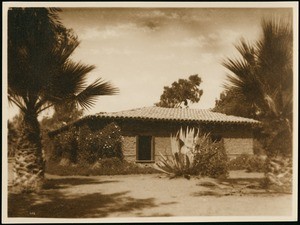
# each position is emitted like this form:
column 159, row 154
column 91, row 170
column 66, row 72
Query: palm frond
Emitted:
column 18, row 101
column 86, row 98
column 67, row 83
column 247, row 51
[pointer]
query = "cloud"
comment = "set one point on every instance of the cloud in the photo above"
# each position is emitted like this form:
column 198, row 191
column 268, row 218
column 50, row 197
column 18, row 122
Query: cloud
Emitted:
column 151, row 25
column 190, row 42
column 108, row 32
column 117, row 51
column 94, row 32
column 156, row 14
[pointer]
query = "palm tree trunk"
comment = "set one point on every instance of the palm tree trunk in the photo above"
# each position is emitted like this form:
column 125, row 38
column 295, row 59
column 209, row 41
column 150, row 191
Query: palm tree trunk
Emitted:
column 28, row 171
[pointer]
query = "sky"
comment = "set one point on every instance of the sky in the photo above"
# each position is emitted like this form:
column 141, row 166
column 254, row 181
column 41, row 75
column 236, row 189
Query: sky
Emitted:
column 141, row 50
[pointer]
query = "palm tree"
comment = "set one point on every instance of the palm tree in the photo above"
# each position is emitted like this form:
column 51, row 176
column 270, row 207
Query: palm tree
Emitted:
column 264, row 76
column 41, row 75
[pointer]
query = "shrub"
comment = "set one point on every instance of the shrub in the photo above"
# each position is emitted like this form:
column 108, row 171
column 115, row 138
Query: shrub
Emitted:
column 197, row 155
column 251, row 163
column 65, row 145
column 99, row 144
column 239, row 163
column 217, row 166
column 279, row 174
column 256, row 164
column 84, row 145
column 106, row 166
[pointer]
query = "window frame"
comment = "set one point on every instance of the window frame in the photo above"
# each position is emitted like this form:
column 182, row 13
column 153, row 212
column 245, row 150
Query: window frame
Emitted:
column 152, row 160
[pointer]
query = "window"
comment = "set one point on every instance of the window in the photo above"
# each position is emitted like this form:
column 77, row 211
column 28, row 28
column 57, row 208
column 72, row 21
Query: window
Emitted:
column 145, row 151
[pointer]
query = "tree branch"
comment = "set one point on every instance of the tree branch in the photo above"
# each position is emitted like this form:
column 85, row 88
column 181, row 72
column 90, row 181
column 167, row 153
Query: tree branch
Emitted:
column 17, row 103
column 46, row 107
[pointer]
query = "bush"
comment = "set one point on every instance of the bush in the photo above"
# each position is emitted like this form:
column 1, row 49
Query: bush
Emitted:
column 107, row 166
column 217, row 166
column 194, row 154
column 84, row 145
column 99, row 144
column 256, row 164
column 251, row 163
column 279, row 174
column 65, row 145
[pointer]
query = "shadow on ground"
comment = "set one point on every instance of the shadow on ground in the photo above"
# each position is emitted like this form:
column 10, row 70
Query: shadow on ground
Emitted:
column 52, row 203
column 60, row 183
column 231, row 186
column 234, row 181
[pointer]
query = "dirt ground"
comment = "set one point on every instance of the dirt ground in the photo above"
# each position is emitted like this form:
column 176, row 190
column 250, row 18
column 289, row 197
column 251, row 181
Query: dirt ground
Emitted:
column 150, row 196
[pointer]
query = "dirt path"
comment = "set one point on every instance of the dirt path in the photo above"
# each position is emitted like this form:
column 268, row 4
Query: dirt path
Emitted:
column 146, row 195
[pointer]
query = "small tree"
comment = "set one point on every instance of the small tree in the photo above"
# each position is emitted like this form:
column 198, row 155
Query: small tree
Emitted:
column 63, row 114
column 182, row 91
column 233, row 103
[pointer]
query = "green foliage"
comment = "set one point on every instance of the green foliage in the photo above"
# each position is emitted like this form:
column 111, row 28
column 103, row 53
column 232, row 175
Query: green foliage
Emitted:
column 106, row 166
column 194, row 154
column 84, row 145
column 182, row 91
column 251, row 163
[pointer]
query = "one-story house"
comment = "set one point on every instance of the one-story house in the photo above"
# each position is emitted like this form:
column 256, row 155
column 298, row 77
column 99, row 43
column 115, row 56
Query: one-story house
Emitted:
column 146, row 131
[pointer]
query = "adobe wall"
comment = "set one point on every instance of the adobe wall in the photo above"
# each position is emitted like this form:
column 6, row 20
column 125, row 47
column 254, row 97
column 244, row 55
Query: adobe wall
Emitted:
column 237, row 146
column 237, row 138
column 162, row 144
column 129, row 148
column 238, row 141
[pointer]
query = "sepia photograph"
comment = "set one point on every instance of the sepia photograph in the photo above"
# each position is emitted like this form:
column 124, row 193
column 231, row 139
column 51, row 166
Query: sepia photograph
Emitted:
column 149, row 112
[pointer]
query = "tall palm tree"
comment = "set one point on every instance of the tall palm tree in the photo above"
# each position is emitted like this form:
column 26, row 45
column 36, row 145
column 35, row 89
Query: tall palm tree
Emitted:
column 40, row 75
column 264, row 76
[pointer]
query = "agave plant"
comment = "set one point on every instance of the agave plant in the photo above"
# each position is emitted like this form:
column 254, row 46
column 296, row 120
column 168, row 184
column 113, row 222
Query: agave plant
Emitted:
column 185, row 145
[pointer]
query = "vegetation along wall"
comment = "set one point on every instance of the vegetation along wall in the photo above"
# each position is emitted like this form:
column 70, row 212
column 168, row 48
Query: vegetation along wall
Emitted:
column 237, row 138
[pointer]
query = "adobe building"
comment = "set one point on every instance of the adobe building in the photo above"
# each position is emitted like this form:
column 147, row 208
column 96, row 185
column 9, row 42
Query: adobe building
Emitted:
column 146, row 131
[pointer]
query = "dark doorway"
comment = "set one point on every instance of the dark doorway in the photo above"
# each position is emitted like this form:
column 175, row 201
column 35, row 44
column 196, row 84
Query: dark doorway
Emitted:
column 144, row 148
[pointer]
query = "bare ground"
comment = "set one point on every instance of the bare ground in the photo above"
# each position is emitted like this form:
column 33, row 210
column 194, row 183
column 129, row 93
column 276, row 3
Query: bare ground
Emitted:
column 150, row 196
